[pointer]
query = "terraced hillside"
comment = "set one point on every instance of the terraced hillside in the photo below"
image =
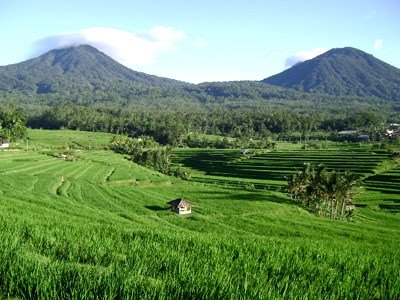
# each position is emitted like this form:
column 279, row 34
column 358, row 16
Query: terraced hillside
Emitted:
column 270, row 170
column 98, row 227
column 386, row 187
column 59, row 139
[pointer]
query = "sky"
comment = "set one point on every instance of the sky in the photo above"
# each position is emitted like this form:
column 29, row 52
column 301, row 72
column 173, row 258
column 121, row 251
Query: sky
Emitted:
column 202, row 40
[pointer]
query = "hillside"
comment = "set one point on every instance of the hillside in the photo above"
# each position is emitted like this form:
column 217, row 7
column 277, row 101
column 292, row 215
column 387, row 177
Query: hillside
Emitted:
column 343, row 71
column 98, row 227
column 80, row 68
column 85, row 76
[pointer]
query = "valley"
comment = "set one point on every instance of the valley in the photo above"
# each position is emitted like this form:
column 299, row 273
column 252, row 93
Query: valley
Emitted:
column 99, row 226
column 92, row 152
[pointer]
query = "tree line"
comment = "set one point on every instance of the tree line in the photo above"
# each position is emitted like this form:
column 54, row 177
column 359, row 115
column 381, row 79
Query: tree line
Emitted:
column 146, row 152
column 170, row 127
column 188, row 127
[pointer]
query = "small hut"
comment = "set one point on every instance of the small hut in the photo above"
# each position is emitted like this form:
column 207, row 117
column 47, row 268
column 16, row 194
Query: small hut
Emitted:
column 244, row 151
column 66, row 157
column 349, row 205
column 4, row 143
column 181, row 206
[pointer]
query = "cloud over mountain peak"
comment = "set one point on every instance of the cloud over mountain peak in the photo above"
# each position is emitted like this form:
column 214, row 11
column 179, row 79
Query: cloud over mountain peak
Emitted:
column 128, row 48
column 302, row 56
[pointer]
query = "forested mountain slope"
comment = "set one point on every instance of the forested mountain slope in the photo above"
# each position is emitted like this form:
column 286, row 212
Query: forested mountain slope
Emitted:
column 340, row 72
column 338, row 79
column 82, row 68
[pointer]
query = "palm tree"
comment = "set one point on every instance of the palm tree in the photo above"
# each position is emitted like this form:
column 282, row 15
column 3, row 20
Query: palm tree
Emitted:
column 316, row 189
column 337, row 189
column 321, row 190
column 294, row 187
column 303, row 186
column 349, row 182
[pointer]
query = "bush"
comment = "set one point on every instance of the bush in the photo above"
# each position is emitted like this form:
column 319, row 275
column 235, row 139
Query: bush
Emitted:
column 181, row 173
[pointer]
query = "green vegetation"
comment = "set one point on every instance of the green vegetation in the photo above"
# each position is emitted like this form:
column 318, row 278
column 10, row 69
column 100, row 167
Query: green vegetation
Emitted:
column 270, row 169
column 326, row 193
column 78, row 221
column 12, row 124
column 67, row 139
column 146, row 152
column 343, row 71
column 85, row 76
column 81, row 69
column 192, row 127
column 98, row 227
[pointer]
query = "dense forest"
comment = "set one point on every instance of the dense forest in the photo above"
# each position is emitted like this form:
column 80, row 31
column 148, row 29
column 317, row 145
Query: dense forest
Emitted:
column 173, row 127
column 176, row 121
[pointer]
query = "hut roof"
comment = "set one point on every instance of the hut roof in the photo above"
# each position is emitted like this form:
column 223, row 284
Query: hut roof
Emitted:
column 180, row 202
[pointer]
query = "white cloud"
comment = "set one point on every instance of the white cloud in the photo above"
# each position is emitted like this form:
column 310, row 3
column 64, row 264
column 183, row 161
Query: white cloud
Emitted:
column 302, row 56
column 200, row 43
column 129, row 48
column 378, row 44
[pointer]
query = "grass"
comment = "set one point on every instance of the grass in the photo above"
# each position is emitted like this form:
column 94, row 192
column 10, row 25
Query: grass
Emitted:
column 50, row 139
column 98, row 228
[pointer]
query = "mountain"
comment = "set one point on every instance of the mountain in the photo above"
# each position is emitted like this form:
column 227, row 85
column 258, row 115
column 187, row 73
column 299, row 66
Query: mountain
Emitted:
column 79, row 68
column 251, row 90
column 342, row 72
column 85, row 75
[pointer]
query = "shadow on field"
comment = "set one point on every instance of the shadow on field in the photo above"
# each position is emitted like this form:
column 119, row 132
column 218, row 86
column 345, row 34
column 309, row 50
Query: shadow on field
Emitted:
column 263, row 197
column 272, row 166
column 156, row 207
column 249, row 197
column 241, row 184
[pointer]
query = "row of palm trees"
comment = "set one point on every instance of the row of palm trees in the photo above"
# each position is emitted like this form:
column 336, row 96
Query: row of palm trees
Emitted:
column 328, row 193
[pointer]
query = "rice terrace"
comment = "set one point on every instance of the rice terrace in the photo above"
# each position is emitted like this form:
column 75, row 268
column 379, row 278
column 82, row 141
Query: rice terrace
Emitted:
column 199, row 150
column 98, row 226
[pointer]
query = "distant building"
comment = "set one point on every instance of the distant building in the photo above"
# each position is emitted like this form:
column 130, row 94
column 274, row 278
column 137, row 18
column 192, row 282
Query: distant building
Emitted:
column 181, row 206
column 4, row 143
column 347, row 135
column 347, row 132
column 392, row 133
column 66, row 157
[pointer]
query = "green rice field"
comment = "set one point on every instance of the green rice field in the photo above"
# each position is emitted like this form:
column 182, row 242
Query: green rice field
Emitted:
column 98, row 227
column 272, row 168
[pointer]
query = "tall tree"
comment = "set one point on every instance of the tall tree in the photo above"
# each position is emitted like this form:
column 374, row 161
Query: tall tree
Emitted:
column 326, row 193
column 12, row 124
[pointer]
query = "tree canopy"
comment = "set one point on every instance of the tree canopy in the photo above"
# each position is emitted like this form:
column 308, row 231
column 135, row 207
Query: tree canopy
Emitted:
column 328, row 193
column 12, row 123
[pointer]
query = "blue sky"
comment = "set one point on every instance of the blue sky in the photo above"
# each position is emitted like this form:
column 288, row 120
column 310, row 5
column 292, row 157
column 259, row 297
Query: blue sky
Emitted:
column 205, row 40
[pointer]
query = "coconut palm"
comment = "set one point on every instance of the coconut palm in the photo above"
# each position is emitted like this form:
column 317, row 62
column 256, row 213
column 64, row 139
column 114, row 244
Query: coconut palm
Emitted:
column 349, row 182
column 298, row 184
column 320, row 190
